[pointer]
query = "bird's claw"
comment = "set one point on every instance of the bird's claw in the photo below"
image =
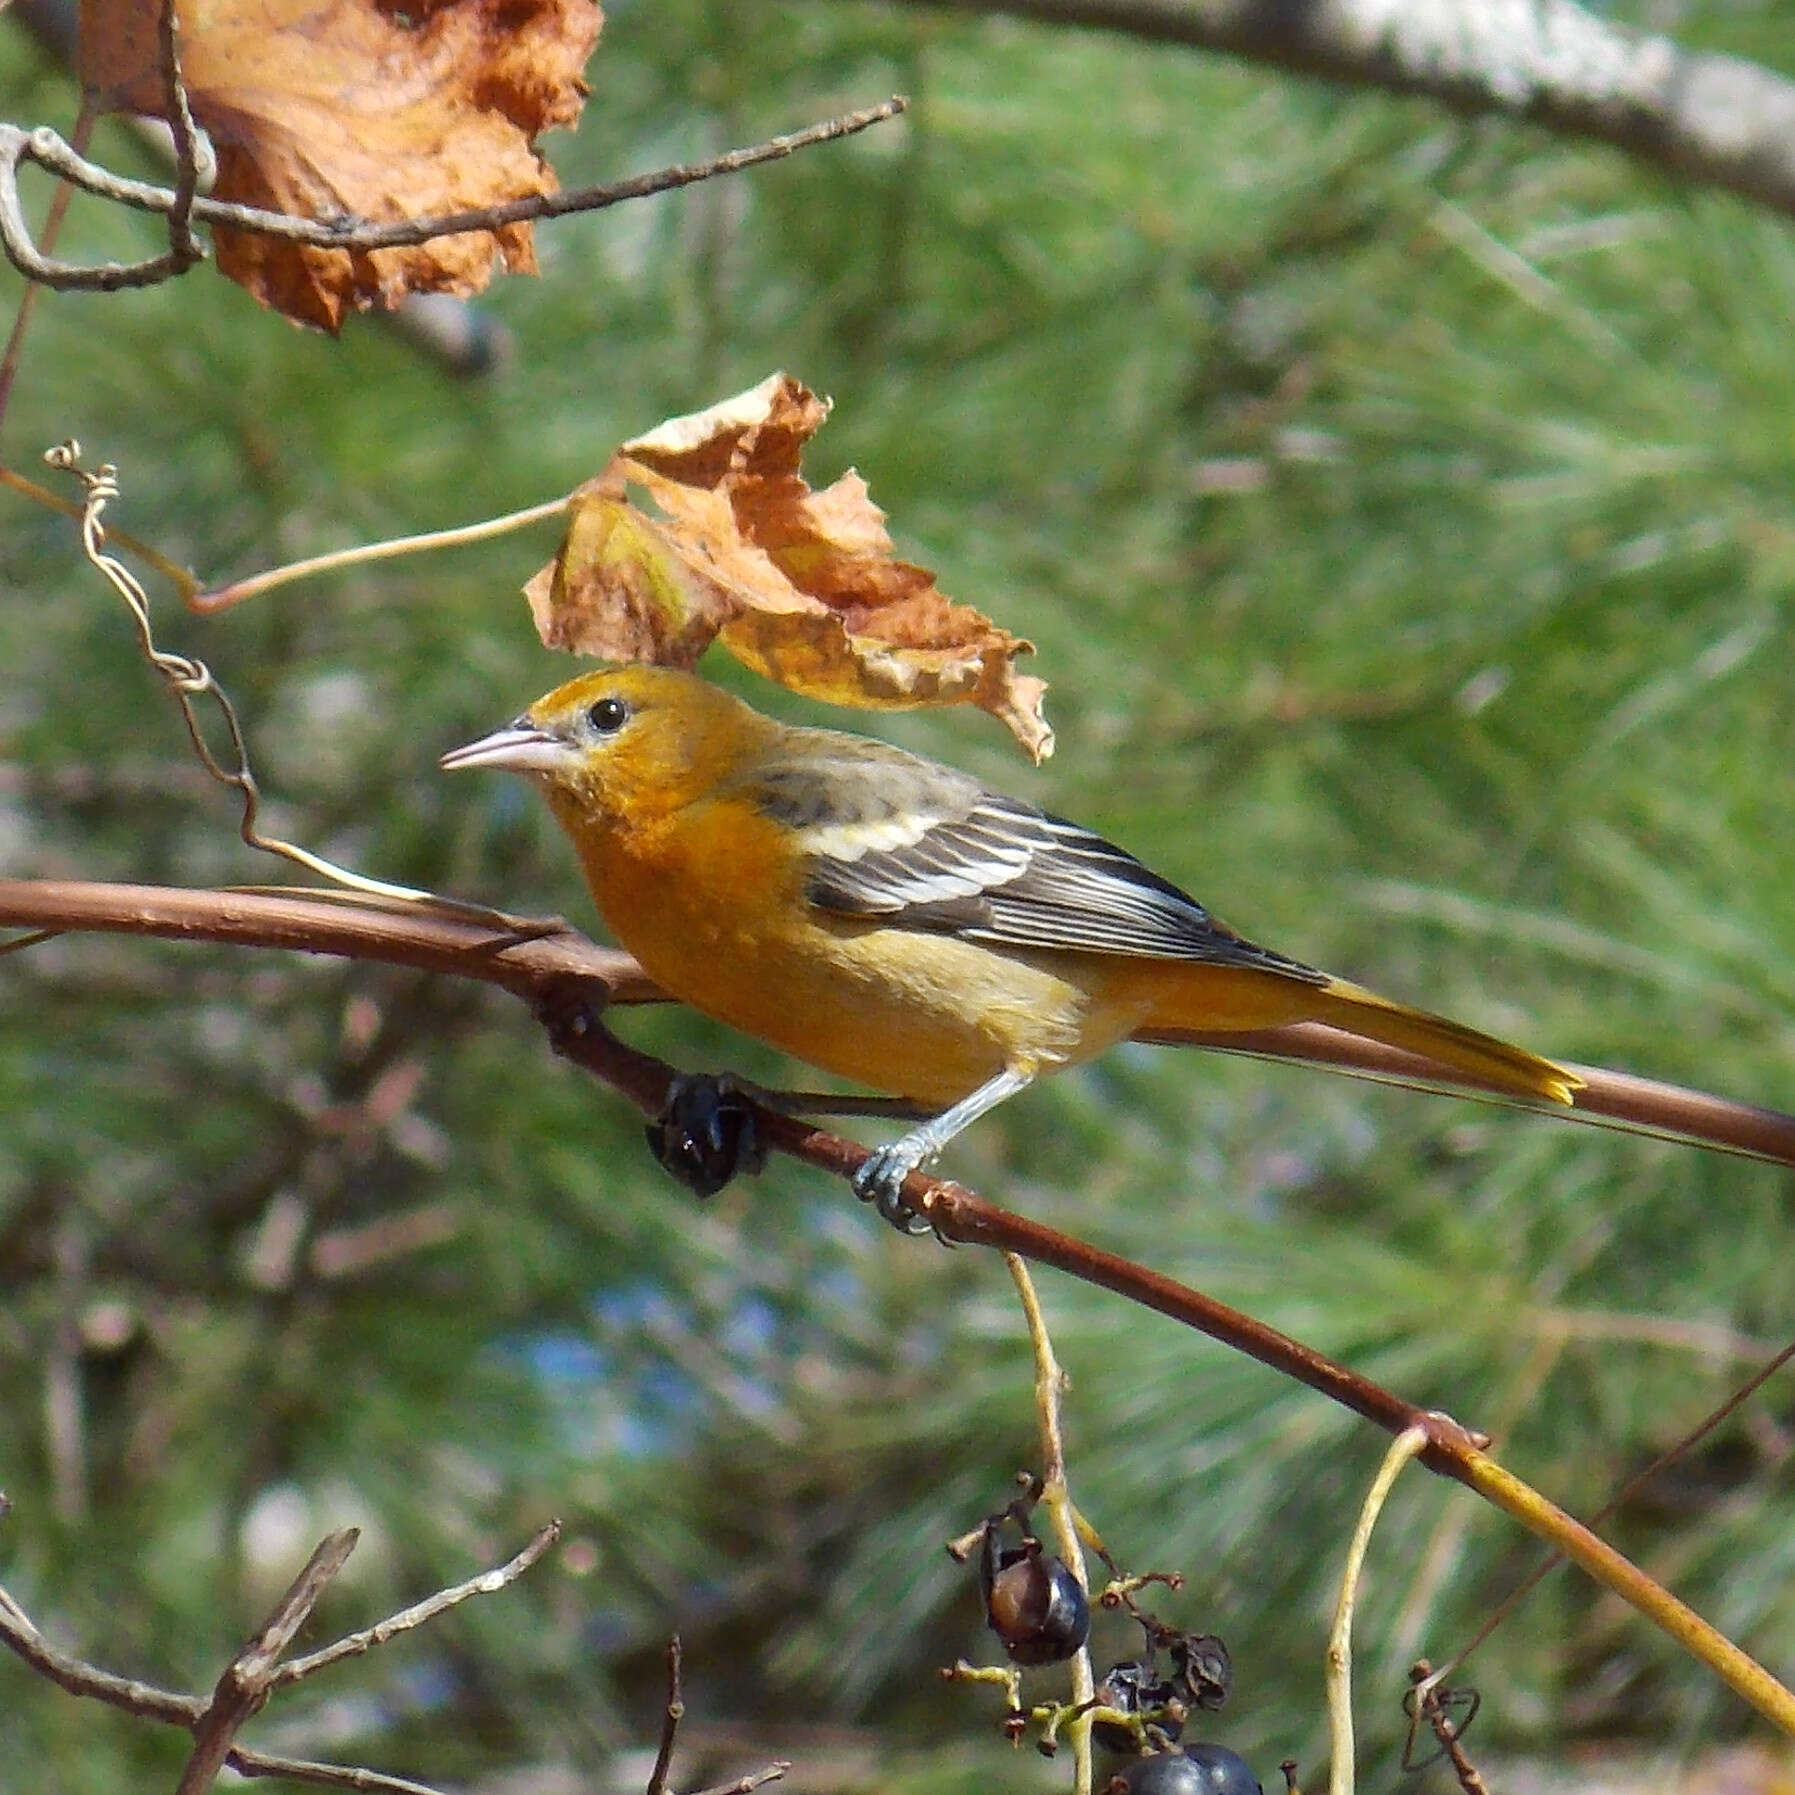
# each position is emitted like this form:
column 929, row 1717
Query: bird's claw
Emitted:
column 706, row 1133
column 880, row 1182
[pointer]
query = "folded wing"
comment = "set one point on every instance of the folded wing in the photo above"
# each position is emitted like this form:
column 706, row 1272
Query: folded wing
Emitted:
column 905, row 842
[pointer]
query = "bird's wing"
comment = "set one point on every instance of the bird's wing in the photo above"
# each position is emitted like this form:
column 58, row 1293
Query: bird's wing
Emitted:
column 905, row 842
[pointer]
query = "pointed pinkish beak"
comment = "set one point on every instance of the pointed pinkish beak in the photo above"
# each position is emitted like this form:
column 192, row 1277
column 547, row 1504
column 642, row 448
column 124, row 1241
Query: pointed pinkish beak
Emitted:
column 520, row 747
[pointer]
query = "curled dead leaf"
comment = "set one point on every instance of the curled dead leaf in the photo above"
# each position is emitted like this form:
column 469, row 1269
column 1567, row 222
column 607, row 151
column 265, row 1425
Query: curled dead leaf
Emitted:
column 802, row 586
column 360, row 110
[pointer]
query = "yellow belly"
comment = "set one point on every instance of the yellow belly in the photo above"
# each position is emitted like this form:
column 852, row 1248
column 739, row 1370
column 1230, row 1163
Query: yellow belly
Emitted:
column 921, row 1016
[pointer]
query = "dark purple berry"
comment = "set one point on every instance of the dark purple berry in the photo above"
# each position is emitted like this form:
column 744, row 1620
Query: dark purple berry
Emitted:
column 1036, row 1608
column 1191, row 1770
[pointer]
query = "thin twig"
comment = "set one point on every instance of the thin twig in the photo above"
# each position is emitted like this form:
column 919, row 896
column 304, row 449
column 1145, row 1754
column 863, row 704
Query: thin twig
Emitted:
column 181, row 578
column 1447, row 1714
column 671, row 1716
column 45, row 148
column 188, row 679
column 78, row 1677
column 59, row 205
column 755, row 1779
column 1627, row 1490
column 353, row 1645
column 244, row 1687
column 1407, row 1445
column 328, row 1776
column 221, row 598
column 183, row 246
column 1056, row 1498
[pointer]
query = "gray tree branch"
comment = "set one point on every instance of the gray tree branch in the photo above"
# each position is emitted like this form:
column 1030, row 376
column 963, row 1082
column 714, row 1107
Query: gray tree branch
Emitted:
column 1715, row 119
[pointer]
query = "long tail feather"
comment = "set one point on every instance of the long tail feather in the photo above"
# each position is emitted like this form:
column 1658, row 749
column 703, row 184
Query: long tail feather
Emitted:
column 1481, row 1056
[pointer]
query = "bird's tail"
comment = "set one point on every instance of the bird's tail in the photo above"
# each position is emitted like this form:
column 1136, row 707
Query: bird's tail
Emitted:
column 1482, row 1057
column 1213, row 999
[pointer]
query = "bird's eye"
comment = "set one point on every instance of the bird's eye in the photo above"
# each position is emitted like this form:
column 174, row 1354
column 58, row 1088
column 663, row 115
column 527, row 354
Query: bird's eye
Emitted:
column 608, row 716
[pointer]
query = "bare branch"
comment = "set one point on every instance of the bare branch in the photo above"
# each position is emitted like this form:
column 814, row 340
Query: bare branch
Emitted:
column 79, row 1678
column 755, row 1779
column 45, row 148
column 671, row 1716
column 487, row 1583
column 183, row 246
column 255, row 1673
column 1715, row 119
column 536, row 957
column 248, row 1679
column 327, row 1776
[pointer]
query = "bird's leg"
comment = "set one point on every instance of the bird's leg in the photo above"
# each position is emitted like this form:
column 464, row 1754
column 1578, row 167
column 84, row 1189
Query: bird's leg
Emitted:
column 880, row 1180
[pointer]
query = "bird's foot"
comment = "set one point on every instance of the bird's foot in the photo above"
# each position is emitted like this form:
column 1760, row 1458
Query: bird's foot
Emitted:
column 880, row 1182
column 706, row 1133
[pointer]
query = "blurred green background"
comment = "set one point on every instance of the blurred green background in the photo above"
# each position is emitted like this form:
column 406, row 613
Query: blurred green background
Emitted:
column 1401, row 506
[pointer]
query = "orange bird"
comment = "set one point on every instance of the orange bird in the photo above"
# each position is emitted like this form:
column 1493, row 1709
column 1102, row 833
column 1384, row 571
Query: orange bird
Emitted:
column 895, row 922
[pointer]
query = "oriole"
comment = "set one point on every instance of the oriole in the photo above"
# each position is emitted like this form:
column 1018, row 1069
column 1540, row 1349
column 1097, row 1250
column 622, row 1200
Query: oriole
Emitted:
column 893, row 921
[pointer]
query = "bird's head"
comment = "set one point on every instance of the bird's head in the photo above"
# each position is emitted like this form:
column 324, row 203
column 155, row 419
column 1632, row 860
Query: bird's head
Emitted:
column 628, row 741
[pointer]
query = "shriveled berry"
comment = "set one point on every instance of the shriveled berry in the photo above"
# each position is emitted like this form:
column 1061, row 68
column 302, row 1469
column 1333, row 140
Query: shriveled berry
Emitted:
column 1201, row 1668
column 1132, row 1687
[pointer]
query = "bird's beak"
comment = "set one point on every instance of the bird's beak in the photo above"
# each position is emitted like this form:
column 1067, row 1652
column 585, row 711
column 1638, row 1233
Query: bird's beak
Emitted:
column 520, row 747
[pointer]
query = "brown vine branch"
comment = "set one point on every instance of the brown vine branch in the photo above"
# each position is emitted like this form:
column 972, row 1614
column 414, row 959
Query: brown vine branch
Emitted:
column 544, row 953
column 1716, row 119
column 43, row 147
column 569, row 980
column 1452, row 1450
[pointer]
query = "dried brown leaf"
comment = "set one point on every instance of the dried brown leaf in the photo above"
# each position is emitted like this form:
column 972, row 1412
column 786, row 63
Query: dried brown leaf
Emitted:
column 361, row 110
column 802, row 586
